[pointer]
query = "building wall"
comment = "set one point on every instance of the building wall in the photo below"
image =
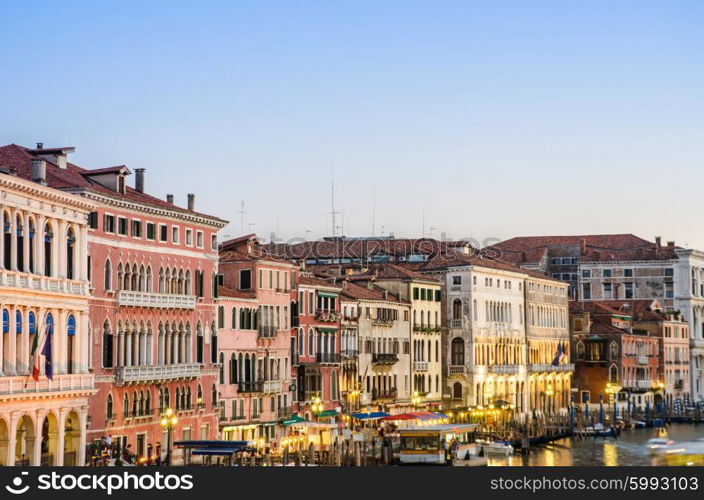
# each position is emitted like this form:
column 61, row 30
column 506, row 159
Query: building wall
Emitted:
column 149, row 309
column 32, row 297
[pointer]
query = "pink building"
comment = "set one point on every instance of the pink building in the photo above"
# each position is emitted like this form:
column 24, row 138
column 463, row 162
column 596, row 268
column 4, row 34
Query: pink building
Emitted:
column 152, row 268
column 256, row 371
column 316, row 366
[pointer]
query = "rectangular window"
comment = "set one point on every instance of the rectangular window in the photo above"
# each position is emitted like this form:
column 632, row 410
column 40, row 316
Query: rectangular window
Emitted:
column 189, row 237
column 457, row 280
column 586, row 291
column 245, row 279
column 136, row 228
column 163, row 233
column 122, row 226
column 415, row 293
column 669, row 272
column 109, row 223
column 93, row 220
column 199, row 239
column 606, row 273
column 628, row 290
column 586, row 273
column 174, row 234
column 214, row 242
column 151, row 231
column 628, row 273
column 607, row 291
column 669, row 290
column 438, row 295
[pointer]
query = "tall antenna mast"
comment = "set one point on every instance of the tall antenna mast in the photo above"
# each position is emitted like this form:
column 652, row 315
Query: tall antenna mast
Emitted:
column 423, row 224
column 241, row 212
column 373, row 211
column 332, row 201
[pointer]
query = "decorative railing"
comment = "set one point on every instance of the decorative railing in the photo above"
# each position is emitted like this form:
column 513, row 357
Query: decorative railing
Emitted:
column 420, row 366
column 384, row 359
column 266, row 331
column 382, row 322
column 546, row 367
column 255, row 386
column 384, row 394
column 328, row 357
column 642, row 360
column 129, row 298
column 327, row 316
column 272, row 386
column 456, row 323
column 504, row 369
column 128, row 374
column 64, row 382
column 458, row 369
column 350, row 353
column 28, row 281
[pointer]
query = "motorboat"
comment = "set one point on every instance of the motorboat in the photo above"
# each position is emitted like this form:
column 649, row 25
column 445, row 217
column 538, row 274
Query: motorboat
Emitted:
column 496, row 448
column 658, row 445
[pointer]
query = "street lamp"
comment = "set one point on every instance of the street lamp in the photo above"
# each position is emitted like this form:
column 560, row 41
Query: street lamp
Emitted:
column 416, row 399
column 317, row 406
column 612, row 390
column 168, row 422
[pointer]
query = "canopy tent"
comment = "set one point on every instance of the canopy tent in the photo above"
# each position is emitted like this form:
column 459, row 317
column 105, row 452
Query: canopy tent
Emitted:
column 369, row 415
column 328, row 414
column 417, row 415
column 216, row 451
column 294, row 419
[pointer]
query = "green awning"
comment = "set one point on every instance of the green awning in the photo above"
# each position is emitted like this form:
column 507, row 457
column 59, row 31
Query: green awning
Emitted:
column 327, row 294
column 326, row 330
column 328, row 413
column 295, row 419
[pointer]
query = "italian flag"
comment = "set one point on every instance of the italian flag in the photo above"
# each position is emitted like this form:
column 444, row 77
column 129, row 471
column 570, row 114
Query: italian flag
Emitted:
column 35, row 357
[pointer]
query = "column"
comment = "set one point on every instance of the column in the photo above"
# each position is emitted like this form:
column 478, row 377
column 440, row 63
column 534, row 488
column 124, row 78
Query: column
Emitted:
column 34, row 449
column 2, row 238
column 84, row 343
column 174, row 347
column 60, row 249
column 81, row 459
column 11, row 360
column 182, row 345
column 83, row 255
column 120, row 348
column 23, row 349
column 12, row 441
column 128, row 348
column 25, row 241
column 61, row 435
column 59, row 342
column 13, row 239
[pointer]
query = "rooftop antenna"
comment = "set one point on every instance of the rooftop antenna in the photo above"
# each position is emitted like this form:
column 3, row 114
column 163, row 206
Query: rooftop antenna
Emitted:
column 242, row 212
column 332, row 200
column 373, row 211
column 382, row 230
column 431, row 231
column 308, row 231
column 423, row 224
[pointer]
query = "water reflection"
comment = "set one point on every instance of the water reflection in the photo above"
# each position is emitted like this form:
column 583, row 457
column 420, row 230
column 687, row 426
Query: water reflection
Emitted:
column 629, row 449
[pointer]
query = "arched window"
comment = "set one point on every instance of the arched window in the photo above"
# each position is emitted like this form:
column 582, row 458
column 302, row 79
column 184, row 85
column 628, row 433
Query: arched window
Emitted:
column 457, row 390
column 48, row 255
column 148, row 403
column 7, row 240
column 457, row 309
column 49, row 323
column 233, row 368
column 148, row 284
column 234, row 318
column 125, row 406
column 333, row 386
column 199, row 345
column 213, row 344
column 214, row 396
column 32, row 323
column 222, row 369
column 221, row 317
column 199, row 396
column 71, row 332
column 5, row 321
column 107, row 346
column 109, row 408
column 70, row 254
column 107, row 277
column 18, row 321
column 311, row 342
column 457, row 353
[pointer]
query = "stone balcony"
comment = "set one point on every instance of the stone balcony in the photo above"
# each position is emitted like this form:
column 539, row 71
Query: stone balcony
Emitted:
column 272, row 386
column 127, row 298
column 458, row 369
column 643, row 360
column 18, row 385
column 37, row 282
column 143, row 373
column 504, row 369
column 420, row 366
column 548, row 367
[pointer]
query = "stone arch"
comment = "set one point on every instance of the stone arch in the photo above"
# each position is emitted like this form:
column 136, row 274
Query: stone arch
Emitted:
column 72, row 439
column 25, row 437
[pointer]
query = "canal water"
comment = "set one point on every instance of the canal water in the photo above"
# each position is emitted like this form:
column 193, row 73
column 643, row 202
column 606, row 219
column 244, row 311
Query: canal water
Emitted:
column 628, row 449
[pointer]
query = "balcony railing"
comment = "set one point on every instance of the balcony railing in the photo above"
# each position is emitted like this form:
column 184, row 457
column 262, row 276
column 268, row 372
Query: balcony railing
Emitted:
column 256, row 386
column 384, row 394
column 504, row 369
column 143, row 373
column 328, row 357
column 382, row 322
column 350, row 353
column 384, row 359
column 127, row 298
column 284, row 411
column 28, row 281
column 272, row 386
column 266, row 331
column 644, row 384
column 420, row 366
column 679, row 384
column 27, row 385
column 642, row 360
column 458, row 369
column 327, row 316
column 545, row 367
column 456, row 323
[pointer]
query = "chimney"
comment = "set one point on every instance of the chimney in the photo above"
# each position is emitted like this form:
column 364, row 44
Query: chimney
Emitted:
column 139, row 179
column 658, row 241
column 40, row 145
column 584, row 246
column 386, row 295
column 670, row 244
column 39, row 170
column 170, row 198
column 191, row 201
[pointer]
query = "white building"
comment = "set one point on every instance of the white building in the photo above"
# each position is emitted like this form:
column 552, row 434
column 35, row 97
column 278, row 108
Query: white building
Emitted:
column 44, row 292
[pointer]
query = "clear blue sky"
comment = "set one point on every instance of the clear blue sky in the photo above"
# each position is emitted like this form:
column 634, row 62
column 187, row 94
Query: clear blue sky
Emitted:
column 494, row 118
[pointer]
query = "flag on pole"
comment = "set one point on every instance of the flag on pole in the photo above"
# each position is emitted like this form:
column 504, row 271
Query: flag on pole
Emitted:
column 35, row 357
column 559, row 356
column 46, row 352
